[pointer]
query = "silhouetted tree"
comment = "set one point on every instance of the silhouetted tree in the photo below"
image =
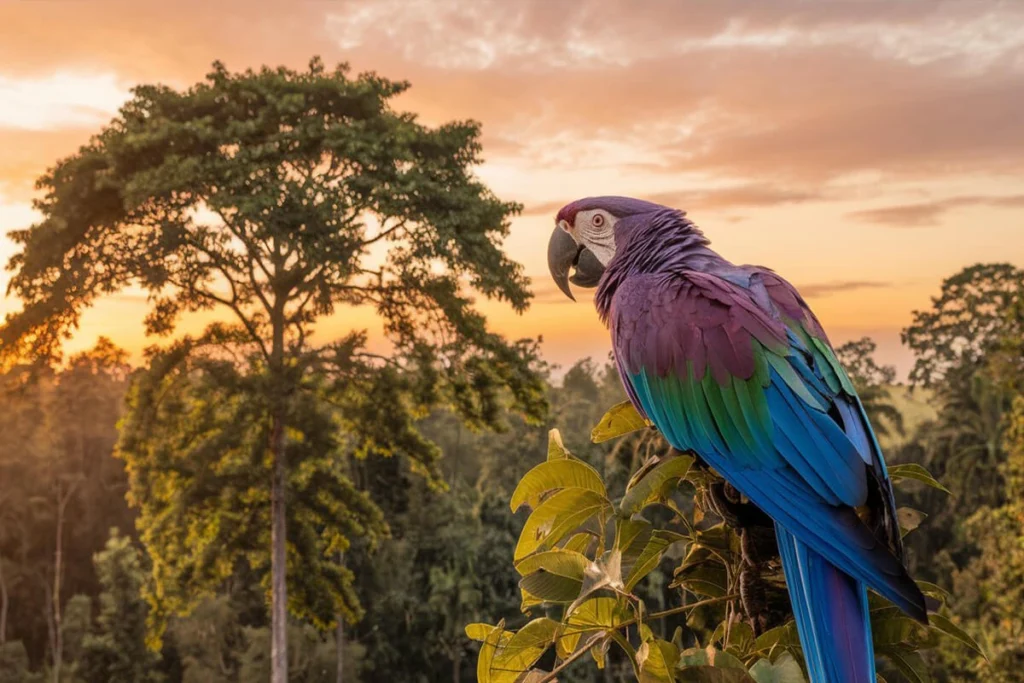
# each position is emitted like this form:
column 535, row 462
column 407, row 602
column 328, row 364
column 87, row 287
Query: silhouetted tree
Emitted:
column 264, row 195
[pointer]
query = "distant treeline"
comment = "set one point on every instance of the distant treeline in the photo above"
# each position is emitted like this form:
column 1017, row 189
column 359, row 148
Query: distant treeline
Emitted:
column 77, row 592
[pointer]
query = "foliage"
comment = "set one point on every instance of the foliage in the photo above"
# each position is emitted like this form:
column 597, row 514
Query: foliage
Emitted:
column 873, row 383
column 116, row 651
column 57, row 482
column 459, row 538
column 582, row 553
column 267, row 196
column 965, row 321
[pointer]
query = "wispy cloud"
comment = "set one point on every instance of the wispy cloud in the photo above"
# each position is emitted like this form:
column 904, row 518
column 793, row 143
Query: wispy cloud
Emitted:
column 545, row 291
column 731, row 108
column 929, row 213
column 820, row 289
column 717, row 199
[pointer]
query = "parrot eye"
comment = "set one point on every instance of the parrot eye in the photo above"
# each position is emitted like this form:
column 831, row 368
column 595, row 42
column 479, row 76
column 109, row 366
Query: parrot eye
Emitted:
column 597, row 220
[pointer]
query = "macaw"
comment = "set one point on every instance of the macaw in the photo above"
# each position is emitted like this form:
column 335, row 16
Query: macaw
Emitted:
column 728, row 361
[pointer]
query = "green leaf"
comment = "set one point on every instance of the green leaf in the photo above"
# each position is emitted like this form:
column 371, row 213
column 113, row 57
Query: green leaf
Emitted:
column 552, row 475
column 596, row 614
column 556, row 449
column 909, row 519
column 488, row 650
column 933, row 590
column 741, row 636
column 694, row 656
column 943, row 625
column 916, row 473
column 513, row 658
column 579, row 543
column 480, row 632
column 650, row 486
column 620, row 420
column 781, row 636
column 631, row 537
column 558, row 561
column 702, row 573
column 529, row 600
column 908, row 663
column 649, row 558
column 723, row 660
column 627, row 648
column 601, row 613
column 550, row 587
column 557, row 516
column 892, row 628
column 712, row 674
column 784, row 670
column 657, row 661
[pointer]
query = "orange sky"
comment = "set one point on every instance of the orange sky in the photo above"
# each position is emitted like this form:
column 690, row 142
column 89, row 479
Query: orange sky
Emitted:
column 863, row 149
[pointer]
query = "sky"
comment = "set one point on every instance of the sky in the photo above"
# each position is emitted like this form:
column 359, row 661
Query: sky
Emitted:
column 863, row 149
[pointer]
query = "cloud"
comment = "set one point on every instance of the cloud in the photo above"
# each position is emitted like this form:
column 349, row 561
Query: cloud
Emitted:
column 929, row 213
column 820, row 289
column 715, row 199
column 61, row 100
column 789, row 90
column 545, row 291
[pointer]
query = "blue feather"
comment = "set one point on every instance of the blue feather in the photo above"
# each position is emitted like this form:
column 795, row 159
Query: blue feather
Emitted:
column 831, row 612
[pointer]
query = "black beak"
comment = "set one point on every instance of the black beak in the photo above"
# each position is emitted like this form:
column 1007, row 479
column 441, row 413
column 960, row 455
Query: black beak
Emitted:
column 563, row 254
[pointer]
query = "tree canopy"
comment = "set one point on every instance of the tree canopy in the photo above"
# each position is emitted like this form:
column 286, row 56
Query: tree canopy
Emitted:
column 271, row 196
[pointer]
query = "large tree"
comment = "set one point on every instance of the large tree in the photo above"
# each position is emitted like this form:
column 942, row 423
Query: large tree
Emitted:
column 964, row 322
column 269, row 196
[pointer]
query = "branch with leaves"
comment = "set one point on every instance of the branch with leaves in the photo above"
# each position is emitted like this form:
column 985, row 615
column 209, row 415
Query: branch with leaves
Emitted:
column 583, row 554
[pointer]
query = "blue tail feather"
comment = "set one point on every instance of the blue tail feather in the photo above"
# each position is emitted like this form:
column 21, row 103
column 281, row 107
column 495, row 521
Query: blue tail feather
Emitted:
column 831, row 611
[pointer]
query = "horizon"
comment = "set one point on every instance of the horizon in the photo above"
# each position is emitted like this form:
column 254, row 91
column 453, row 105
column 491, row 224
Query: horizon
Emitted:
column 843, row 147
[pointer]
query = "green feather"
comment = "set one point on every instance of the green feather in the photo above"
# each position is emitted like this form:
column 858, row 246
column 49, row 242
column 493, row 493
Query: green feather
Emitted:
column 693, row 397
column 792, row 379
column 720, row 414
column 835, row 365
column 753, row 399
column 737, row 416
column 762, row 373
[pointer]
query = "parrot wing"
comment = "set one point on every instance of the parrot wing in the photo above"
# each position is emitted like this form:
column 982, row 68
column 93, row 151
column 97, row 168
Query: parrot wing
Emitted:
column 746, row 378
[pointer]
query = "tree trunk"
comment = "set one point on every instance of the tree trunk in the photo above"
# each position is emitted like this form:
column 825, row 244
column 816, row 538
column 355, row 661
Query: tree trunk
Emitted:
column 340, row 636
column 58, row 564
column 3, row 604
column 278, row 557
column 280, row 393
column 340, row 676
column 457, row 663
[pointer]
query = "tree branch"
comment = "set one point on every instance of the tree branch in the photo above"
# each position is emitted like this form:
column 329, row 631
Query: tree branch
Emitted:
column 604, row 635
column 250, row 327
column 385, row 233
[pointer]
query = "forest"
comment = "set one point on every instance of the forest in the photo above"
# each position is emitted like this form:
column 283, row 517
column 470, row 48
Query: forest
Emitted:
column 144, row 506
column 76, row 574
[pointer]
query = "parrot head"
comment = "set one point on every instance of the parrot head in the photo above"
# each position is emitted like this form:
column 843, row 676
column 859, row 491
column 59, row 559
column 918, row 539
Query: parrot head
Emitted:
column 584, row 238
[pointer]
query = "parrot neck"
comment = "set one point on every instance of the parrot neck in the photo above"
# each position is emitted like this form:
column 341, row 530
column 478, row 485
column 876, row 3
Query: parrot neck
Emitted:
column 666, row 242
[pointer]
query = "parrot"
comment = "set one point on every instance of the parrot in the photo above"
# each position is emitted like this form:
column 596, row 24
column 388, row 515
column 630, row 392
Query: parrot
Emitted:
column 729, row 362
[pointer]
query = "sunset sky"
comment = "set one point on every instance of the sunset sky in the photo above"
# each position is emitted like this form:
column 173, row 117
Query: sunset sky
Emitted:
column 863, row 149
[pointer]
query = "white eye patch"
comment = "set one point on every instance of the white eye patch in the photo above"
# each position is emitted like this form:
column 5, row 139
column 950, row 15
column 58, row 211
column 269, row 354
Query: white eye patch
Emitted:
column 596, row 231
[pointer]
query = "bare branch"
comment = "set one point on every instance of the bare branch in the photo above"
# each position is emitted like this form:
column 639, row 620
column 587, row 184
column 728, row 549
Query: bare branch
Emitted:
column 385, row 233
column 249, row 325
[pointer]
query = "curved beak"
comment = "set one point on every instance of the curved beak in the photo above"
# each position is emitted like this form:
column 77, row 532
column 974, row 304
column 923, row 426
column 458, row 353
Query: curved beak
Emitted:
column 564, row 254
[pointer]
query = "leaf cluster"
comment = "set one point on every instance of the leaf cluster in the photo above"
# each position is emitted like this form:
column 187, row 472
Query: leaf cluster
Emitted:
column 582, row 554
